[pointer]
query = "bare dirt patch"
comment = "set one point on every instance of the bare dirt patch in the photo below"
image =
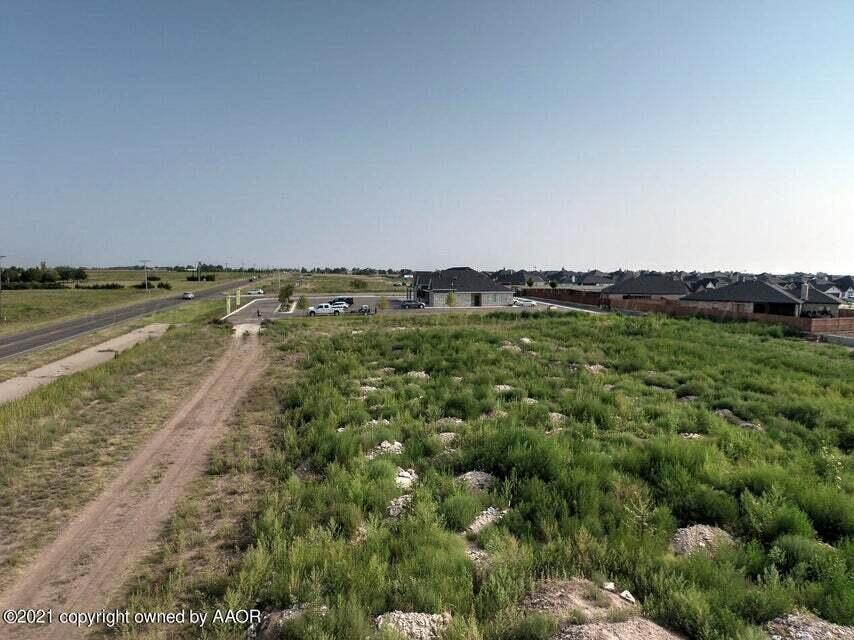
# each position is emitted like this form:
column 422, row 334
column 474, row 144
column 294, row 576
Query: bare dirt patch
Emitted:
column 566, row 599
column 636, row 629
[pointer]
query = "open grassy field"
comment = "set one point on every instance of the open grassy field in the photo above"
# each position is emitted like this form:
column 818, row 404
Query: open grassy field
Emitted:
column 309, row 283
column 27, row 308
column 603, row 436
column 63, row 443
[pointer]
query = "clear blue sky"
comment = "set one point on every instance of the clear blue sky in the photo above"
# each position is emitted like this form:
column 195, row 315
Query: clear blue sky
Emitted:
column 600, row 134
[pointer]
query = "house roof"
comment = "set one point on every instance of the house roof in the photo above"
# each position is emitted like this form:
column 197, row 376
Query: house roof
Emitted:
column 650, row 284
column 463, row 279
column 759, row 291
column 845, row 283
column 520, row 277
column 596, row 277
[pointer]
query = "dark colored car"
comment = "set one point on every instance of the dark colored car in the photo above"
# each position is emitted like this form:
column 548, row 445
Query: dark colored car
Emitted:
column 349, row 301
column 412, row 304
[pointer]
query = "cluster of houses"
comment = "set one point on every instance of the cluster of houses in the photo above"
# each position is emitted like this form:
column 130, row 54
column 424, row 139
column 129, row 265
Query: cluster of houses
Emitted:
column 797, row 295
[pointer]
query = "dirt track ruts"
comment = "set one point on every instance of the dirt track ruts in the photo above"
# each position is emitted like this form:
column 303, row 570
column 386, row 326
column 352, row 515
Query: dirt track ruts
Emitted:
column 94, row 553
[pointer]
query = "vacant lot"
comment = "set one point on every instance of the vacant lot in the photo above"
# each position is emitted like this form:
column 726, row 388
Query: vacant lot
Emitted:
column 334, row 283
column 594, row 440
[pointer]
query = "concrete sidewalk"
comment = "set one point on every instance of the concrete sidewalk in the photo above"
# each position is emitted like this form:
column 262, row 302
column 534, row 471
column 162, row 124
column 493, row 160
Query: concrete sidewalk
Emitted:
column 93, row 356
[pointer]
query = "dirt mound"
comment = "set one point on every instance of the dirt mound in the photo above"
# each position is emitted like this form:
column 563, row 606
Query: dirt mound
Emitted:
column 635, row 629
column 477, row 480
column 415, row 626
column 563, row 599
column 807, row 627
column 700, row 537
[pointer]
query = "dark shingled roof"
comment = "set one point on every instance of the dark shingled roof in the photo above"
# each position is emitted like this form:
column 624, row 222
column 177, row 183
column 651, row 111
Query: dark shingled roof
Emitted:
column 650, row 284
column 463, row 279
column 758, row 291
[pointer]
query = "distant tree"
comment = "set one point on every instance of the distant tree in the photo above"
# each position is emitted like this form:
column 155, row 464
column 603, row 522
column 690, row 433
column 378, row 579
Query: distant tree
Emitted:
column 302, row 303
column 50, row 275
column 451, row 299
column 530, row 281
column 285, row 293
column 553, row 284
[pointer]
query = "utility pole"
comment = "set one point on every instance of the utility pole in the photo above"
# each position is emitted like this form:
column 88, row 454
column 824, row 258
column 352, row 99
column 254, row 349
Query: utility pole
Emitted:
column 1, row 289
column 145, row 268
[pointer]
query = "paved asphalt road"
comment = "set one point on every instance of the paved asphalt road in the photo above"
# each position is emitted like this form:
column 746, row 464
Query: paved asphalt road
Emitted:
column 19, row 343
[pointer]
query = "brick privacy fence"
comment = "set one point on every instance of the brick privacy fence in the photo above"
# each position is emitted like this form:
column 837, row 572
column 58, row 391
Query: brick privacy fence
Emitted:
column 844, row 324
column 565, row 295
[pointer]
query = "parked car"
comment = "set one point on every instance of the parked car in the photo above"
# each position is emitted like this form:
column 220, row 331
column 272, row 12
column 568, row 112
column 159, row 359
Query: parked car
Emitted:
column 347, row 301
column 324, row 309
column 340, row 305
column 518, row 302
column 255, row 292
column 412, row 304
column 188, row 295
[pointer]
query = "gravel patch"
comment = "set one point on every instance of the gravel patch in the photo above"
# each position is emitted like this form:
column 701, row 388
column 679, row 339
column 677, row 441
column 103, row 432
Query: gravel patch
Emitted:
column 272, row 622
column 418, row 375
column 700, row 537
column 450, row 421
column 488, row 516
column 807, row 627
column 503, row 388
column 415, row 626
column 397, row 506
column 447, row 438
column 692, row 436
column 385, row 447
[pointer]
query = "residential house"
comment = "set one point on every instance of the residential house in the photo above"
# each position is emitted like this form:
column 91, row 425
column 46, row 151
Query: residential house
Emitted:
column 471, row 288
column 758, row 296
column 845, row 284
column 521, row 278
column 648, row 287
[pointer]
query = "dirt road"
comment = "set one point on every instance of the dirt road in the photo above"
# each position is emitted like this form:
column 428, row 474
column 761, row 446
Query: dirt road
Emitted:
column 93, row 555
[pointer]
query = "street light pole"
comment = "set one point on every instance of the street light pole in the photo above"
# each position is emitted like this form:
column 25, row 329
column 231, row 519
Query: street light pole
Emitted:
column 145, row 268
column 1, row 288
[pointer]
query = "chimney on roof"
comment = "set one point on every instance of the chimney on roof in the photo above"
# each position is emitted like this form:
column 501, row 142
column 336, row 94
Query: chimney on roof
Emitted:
column 805, row 290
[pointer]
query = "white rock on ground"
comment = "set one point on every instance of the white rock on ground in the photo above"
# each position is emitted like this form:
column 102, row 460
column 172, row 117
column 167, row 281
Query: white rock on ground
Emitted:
column 627, row 596
column 487, row 517
column 556, row 418
column 807, row 627
column 385, row 447
column 480, row 480
column 457, row 379
column 397, row 506
column 416, row 626
column 405, row 478
column 387, row 370
column 366, row 389
column 526, row 341
column 595, row 368
column 730, row 417
column 382, row 422
column 447, row 438
column 449, row 421
column 503, row 388
column 688, row 399
column 530, row 401
column 496, row 413
column 513, row 348
column 418, row 375
column 691, row 436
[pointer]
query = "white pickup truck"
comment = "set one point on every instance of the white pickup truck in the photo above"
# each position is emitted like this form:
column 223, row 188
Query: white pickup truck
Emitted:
column 325, row 309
